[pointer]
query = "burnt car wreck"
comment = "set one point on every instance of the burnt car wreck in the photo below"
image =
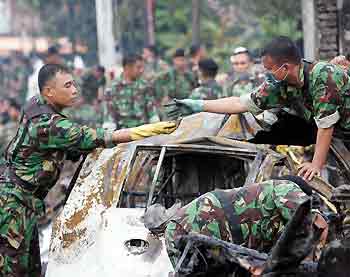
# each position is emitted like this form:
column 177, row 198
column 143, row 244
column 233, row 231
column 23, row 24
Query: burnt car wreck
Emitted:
column 102, row 229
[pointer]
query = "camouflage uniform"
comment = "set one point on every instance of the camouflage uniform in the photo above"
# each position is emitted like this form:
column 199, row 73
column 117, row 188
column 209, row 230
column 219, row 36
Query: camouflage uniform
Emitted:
column 154, row 68
column 324, row 96
column 194, row 69
column 241, row 85
column 7, row 132
column 130, row 105
column 35, row 157
column 262, row 210
column 207, row 91
column 90, row 85
column 173, row 84
column 86, row 114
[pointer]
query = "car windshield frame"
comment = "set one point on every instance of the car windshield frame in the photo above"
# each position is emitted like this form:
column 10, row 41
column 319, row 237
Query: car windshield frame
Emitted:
column 245, row 154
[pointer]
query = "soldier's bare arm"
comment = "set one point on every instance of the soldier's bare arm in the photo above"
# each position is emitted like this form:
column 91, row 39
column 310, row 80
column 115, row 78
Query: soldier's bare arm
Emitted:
column 323, row 142
column 265, row 97
column 121, row 136
column 229, row 105
column 327, row 105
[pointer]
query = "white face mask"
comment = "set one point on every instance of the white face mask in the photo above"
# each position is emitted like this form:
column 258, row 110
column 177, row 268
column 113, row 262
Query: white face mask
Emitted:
column 272, row 77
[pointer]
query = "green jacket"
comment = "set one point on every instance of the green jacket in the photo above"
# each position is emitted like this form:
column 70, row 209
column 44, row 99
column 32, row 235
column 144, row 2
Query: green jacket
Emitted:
column 207, row 91
column 325, row 98
column 130, row 104
column 262, row 210
column 173, row 84
column 37, row 152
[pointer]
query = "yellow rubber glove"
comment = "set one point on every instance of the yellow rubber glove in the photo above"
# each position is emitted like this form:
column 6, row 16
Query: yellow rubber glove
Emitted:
column 154, row 129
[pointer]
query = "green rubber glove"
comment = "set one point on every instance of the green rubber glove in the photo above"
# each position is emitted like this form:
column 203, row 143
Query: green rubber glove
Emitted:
column 178, row 108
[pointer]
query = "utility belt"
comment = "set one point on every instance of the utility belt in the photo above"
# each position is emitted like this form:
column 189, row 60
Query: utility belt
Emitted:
column 226, row 199
column 37, row 192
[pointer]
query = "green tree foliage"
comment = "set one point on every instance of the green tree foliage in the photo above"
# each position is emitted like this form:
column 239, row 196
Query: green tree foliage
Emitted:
column 130, row 24
column 225, row 24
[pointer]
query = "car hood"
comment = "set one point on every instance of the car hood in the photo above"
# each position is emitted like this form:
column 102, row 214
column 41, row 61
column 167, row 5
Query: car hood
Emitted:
column 121, row 247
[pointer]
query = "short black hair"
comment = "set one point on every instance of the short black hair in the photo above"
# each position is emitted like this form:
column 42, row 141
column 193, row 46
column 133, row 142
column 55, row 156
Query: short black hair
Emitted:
column 53, row 50
column 130, row 59
column 152, row 48
column 14, row 103
column 180, row 52
column 100, row 69
column 282, row 49
column 48, row 72
column 347, row 56
column 194, row 49
column 209, row 67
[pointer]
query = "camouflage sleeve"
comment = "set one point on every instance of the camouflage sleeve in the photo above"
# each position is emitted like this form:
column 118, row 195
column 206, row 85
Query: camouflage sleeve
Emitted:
column 227, row 89
column 151, row 104
column 220, row 92
column 196, row 94
column 192, row 79
column 162, row 84
column 108, row 113
column 327, row 83
column 62, row 134
column 287, row 197
column 267, row 96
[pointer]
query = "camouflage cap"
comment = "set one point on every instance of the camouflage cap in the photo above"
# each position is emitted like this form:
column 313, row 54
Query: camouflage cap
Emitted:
column 240, row 50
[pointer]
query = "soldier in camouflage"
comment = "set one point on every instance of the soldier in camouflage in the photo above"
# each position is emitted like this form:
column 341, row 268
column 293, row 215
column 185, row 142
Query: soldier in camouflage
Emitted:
column 85, row 113
column 88, row 109
column 253, row 216
column 209, row 89
column 178, row 82
column 197, row 52
column 316, row 91
column 242, row 80
column 153, row 64
column 92, row 83
column 44, row 139
column 130, row 102
column 8, row 127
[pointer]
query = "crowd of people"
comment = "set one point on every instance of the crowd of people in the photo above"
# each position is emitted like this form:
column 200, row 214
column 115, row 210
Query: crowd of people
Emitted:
column 147, row 82
column 132, row 95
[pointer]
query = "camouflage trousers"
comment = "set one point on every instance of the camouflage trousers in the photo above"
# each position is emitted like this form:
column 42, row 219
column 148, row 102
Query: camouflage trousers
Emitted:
column 204, row 216
column 19, row 240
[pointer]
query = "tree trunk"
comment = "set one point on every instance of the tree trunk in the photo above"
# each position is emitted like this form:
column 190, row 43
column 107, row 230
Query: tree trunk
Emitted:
column 195, row 22
column 105, row 36
column 150, row 8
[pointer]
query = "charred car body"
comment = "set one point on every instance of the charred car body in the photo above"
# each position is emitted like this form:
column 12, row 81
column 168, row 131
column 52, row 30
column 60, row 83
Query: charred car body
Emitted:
column 101, row 229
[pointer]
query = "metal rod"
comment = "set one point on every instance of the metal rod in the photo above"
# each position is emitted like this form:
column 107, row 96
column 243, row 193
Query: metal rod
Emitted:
column 183, row 256
column 155, row 177
column 165, row 184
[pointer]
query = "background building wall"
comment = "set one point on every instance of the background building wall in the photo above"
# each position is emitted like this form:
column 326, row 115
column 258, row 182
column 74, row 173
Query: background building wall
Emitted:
column 332, row 20
column 327, row 21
